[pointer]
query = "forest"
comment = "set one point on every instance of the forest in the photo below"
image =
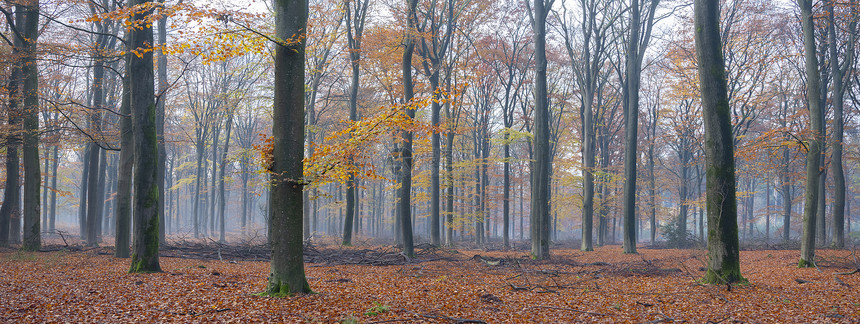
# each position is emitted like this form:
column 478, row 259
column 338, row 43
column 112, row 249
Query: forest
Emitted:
column 443, row 161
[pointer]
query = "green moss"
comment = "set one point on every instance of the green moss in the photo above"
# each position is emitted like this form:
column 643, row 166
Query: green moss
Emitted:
column 139, row 263
column 282, row 289
column 805, row 264
column 728, row 277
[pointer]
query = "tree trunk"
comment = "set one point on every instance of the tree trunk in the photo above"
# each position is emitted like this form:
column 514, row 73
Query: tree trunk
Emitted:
column 723, row 246
column 839, row 121
column 813, row 157
column 159, row 123
column 540, row 191
column 406, row 144
column 632, row 123
column 287, row 274
column 144, row 256
column 30, row 92
column 222, row 197
column 10, row 212
column 82, row 200
column 52, row 218
column 449, row 174
column 124, row 173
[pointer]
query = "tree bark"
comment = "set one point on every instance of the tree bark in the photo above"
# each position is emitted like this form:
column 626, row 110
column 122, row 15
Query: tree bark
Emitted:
column 406, row 144
column 632, row 122
column 10, row 212
column 838, row 71
column 52, row 218
column 30, row 92
column 159, row 123
column 144, row 257
column 124, row 173
column 723, row 245
column 813, row 157
column 287, row 274
column 222, row 197
column 540, row 191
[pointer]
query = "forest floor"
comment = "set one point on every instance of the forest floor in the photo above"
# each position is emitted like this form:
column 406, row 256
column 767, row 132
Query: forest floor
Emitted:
column 372, row 284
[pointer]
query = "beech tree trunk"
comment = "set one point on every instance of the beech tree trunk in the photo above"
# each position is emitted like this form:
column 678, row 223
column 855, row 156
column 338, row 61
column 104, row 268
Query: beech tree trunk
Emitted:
column 540, row 191
column 144, row 252
column 124, row 173
column 632, row 123
column 10, row 212
column 405, row 213
column 30, row 93
column 287, row 274
column 813, row 156
column 723, row 245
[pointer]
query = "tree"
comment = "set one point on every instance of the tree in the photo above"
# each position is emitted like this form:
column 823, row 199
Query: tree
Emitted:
column 816, row 123
column 356, row 13
column 405, row 212
column 637, row 43
column 286, row 214
column 30, row 147
column 124, row 172
column 144, row 252
column 10, row 212
column 839, row 71
column 540, row 193
column 632, row 122
column 723, row 245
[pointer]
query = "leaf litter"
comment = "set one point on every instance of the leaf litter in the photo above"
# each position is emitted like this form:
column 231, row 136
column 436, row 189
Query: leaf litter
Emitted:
column 205, row 282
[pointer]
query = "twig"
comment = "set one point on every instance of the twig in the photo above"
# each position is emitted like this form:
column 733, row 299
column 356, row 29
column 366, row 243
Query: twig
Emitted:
column 456, row 320
column 212, row 311
column 569, row 309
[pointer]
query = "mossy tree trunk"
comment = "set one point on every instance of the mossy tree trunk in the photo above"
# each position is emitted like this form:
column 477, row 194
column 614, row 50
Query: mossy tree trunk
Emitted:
column 286, row 213
column 723, row 254
column 144, row 252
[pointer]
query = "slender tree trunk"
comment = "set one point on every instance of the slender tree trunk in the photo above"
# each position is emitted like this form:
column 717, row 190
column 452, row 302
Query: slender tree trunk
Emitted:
column 100, row 191
column 222, row 197
column 786, row 197
column 449, row 174
column 82, row 200
column 52, row 218
column 813, row 157
column 45, row 186
column 406, row 144
column 839, row 121
column 540, row 193
column 201, row 144
column 159, row 123
column 632, row 123
column 10, row 212
column 212, row 191
column 767, row 212
column 723, row 246
column 124, row 173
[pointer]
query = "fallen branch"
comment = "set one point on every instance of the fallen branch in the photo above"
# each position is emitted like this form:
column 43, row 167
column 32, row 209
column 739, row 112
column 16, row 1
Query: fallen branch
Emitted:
column 456, row 320
column 848, row 273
